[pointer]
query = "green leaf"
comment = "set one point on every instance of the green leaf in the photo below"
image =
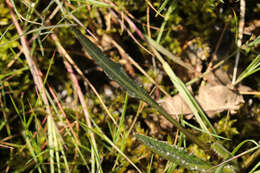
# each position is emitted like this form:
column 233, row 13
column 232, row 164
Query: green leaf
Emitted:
column 116, row 72
column 175, row 154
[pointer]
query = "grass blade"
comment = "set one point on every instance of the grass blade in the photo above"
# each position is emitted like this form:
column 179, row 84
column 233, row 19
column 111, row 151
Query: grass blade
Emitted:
column 162, row 7
column 253, row 67
column 167, row 53
column 180, row 86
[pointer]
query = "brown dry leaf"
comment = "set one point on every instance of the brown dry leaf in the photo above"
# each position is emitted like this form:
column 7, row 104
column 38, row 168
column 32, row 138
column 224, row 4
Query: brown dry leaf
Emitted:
column 219, row 77
column 213, row 98
column 174, row 106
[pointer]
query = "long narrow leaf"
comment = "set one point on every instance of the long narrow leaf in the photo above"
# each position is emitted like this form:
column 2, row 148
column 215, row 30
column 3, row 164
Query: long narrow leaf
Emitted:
column 175, row 154
column 179, row 156
column 116, row 72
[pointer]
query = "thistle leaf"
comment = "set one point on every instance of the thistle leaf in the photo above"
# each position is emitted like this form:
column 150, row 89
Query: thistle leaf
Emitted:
column 175, row 154
column 113, row 70
column 116, row 72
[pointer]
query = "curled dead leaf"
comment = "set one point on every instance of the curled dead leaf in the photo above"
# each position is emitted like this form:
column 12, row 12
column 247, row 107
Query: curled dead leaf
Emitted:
column 212, row 99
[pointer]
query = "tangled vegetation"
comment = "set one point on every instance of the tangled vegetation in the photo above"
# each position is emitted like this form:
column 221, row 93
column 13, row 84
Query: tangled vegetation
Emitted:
column 83, row 83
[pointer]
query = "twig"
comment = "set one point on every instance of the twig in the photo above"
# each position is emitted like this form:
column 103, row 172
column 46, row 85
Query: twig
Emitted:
column 240, row 37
